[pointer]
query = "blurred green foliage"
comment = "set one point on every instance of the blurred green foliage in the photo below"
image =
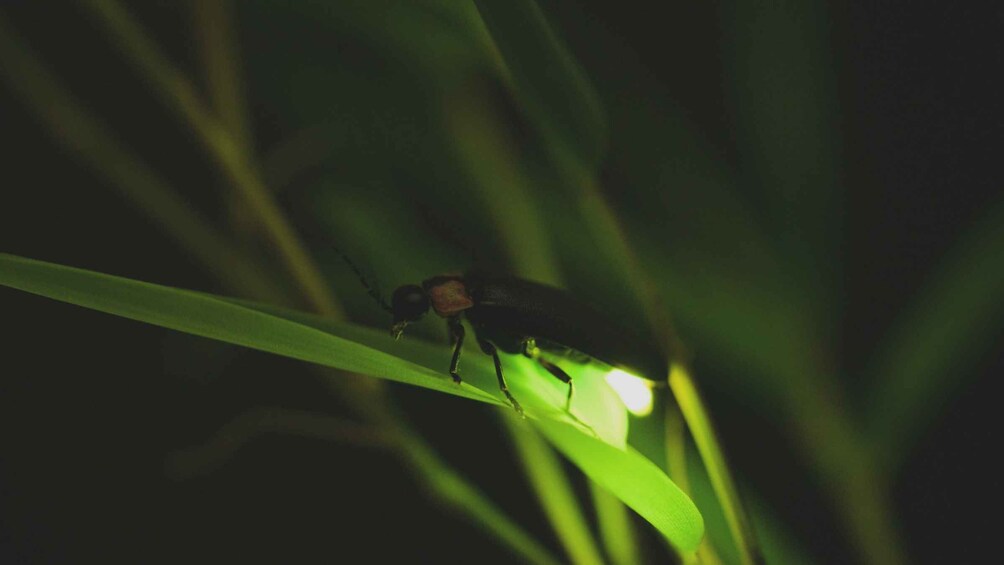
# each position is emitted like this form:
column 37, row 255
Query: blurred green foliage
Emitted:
column 435, row 136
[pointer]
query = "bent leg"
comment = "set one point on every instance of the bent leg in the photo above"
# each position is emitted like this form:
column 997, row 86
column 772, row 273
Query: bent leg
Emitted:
column 457, row 335
column 489, row 349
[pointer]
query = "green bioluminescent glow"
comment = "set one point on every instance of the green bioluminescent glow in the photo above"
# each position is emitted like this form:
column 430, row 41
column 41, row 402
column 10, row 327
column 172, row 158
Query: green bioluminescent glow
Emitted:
column 634, row 391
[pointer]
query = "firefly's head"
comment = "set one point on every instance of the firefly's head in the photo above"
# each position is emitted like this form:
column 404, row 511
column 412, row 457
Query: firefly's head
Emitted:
column 408, row 304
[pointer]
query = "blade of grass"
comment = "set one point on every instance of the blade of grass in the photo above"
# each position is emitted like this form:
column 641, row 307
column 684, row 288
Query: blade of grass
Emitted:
column 219, row 53
column 246, row 427
column 544, row 395
column 616, row 529
column 546, row 77
column 700, row 426
column 780, row 85
column 754, row 327
column 676, row 447
column 554, row 491
column 467, row 500
column 220, row 61
column 777, row 545
column 676, row 464
column 953, row 317
column 205, row 316
column 493, row 163
column 84, row 135
column 446, row 485
column 631, row 477
column 181, row 95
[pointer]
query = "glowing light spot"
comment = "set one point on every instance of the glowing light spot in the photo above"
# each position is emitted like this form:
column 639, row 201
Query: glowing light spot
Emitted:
column 634, row 391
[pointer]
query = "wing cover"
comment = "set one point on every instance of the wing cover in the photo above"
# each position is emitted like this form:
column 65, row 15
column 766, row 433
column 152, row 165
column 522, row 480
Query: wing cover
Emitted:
column 509, row 310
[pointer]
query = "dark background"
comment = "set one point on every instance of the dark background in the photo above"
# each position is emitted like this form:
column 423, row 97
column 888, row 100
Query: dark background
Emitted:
column 90, row 404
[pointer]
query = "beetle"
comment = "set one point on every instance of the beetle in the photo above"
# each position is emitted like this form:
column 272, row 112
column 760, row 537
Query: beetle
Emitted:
column 519, row 316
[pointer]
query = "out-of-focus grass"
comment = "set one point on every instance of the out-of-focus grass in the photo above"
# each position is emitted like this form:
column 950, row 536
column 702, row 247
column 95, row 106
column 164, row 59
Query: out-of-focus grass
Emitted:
column 421, row 119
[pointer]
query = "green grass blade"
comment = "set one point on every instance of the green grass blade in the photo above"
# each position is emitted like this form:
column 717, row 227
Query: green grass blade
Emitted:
column 317, row 340
column 635, row 480
column 544, row 470
column 181, row 96
column 553, row 89
column 714, row 460
column 468, row 500
column 628, row 475
column 780, row 85
column 219, row 54
column 616, row 528
column 955, row 315
column 778, row 545
column 202, row 315
column 595, row 403
column 75, row 129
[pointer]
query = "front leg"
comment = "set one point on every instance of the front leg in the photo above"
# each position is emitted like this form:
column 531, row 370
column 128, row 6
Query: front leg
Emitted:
column 457, row 336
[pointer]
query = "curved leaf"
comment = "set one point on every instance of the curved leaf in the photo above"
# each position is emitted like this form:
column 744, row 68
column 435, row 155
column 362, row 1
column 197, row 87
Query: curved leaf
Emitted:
column 638, row 482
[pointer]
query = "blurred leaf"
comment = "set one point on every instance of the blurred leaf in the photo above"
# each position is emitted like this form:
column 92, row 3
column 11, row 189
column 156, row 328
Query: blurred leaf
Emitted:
column 181, row 95
column 779, row 65
column 72, row 127
column 745, row 307
column 778, row 546
column 452, row 488
column 547, row 79
column 555, row 492
column 616, row 528
column 507, row 195
column 938, row 338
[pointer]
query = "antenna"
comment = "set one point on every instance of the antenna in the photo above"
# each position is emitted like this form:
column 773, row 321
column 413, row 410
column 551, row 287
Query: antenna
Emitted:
column 371, row 288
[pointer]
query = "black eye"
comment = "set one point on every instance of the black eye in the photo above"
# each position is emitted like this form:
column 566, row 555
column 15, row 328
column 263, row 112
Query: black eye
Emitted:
column 409, row 303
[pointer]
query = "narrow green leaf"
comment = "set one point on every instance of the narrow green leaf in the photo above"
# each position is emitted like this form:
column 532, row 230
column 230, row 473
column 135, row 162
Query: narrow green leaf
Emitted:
column 459, row 493
column 375, row 353
column 595, row 403
column 638, row 482
column 202, row 315
column 318, row 340
column 714, row 460
column 88, row 138
column 556, row 495
column 779, row 546
column 625, row 473
column 616, row 528
column 181, row 96
column 953, row 317
column 546, row 78
column 781, row 85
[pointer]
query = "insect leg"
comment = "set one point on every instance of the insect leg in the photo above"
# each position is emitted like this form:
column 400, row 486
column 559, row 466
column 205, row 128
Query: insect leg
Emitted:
column 561, row 376
column 531, row 351
column 489, row 349
column 457, row 335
